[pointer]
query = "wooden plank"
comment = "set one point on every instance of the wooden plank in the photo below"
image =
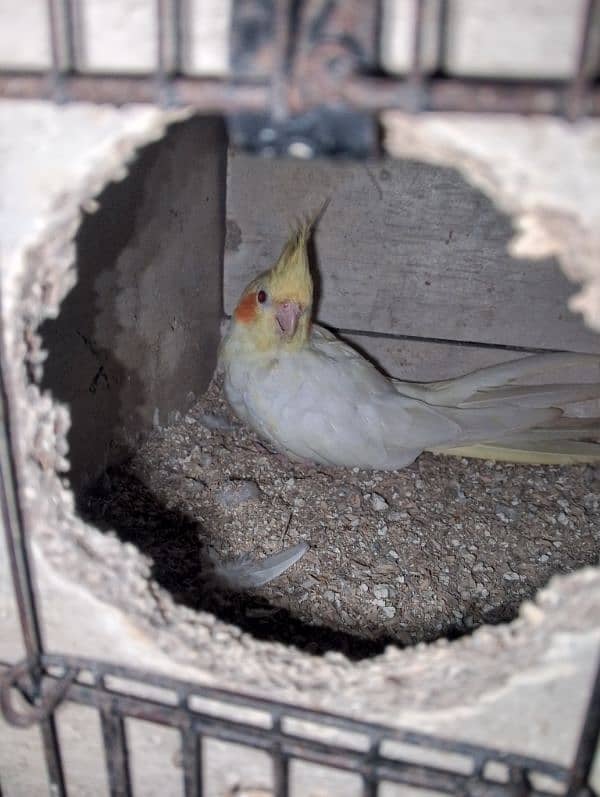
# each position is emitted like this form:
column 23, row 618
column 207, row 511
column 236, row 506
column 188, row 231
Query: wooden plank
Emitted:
column 404, row 248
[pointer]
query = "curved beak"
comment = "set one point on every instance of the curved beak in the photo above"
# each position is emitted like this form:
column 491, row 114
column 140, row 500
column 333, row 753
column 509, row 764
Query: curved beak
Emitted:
column 287, row 315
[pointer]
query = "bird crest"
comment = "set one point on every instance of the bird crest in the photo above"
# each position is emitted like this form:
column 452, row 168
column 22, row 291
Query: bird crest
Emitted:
column 290, row 276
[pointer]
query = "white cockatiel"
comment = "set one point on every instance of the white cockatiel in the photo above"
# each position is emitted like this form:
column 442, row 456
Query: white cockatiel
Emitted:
column 317, row 399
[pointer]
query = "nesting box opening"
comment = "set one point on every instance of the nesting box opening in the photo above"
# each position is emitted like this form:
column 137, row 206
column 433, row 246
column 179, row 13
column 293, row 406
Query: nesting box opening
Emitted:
column 414, row 270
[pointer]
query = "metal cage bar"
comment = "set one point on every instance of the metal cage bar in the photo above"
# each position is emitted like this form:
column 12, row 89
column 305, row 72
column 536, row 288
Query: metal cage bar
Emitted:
column 588, row 745
column 363, row 90
column 580, row 83
column 191, row 747
column 116, row 704
column 116, row 752
column 63, row 47
column 23, row 581
column 281, row 768
column 416, row 76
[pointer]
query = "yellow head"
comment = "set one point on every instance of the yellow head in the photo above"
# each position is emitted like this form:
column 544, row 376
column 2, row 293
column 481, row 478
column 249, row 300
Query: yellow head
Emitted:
column 275, row 309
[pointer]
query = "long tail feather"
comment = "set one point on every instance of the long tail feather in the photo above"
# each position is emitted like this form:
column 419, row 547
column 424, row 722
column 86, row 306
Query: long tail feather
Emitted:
column 533, row 395
column 489, row 383
column 531, row 449
column 487, row 403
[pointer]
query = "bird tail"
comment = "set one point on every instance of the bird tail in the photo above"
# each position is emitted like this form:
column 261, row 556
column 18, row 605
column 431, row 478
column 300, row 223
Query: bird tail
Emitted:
column 552, row 440
column 499, row 384
column 536, row 447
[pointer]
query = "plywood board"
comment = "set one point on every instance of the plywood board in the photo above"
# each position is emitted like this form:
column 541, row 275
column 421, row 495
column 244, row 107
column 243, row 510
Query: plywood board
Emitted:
column 404, row 248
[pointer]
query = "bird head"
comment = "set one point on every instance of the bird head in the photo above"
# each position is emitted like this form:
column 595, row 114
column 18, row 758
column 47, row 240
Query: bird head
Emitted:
column 275, row 309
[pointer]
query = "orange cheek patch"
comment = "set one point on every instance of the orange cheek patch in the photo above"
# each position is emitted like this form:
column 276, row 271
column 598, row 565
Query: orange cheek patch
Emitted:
column 246, row 309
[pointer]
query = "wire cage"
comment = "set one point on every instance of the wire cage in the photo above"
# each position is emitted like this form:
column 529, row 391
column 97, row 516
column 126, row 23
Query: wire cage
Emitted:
column 309, row 73
column 309, row 68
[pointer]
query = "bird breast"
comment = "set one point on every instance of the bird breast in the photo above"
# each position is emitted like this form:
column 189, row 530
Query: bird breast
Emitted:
column 320, row 403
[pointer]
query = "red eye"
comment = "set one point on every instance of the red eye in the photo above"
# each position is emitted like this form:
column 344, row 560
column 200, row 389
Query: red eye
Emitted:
column 261, row 297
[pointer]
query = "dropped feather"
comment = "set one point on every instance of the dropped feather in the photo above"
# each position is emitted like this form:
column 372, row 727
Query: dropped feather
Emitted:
column 246, row 573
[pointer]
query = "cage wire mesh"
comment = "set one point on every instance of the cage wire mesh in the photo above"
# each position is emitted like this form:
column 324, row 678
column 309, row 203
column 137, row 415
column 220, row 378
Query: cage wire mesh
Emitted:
column 291, row 61
column 283, row 79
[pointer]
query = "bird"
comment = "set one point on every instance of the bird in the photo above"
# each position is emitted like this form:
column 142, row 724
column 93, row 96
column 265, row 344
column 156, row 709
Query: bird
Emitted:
column 316, row 399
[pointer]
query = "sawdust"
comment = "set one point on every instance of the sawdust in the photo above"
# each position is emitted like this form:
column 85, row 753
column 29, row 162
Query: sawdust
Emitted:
column 434, row 550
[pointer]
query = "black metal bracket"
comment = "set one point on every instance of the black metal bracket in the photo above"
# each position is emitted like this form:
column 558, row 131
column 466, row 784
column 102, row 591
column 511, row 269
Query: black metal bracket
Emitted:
column 40, row 708
column 304, row 51
column 320, row 132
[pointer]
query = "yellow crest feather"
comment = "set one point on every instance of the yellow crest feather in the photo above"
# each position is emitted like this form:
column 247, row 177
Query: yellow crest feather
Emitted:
column 290, row 276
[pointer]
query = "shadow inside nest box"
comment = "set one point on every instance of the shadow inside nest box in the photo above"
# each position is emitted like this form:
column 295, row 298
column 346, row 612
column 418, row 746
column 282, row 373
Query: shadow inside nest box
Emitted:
column 178, row 544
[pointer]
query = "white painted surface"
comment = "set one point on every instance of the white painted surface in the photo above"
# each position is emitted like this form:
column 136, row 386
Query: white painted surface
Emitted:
column 24, row 34
column 514, row 38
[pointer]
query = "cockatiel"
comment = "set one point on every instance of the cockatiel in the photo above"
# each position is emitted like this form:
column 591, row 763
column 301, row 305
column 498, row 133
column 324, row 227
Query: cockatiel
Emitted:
column 316, row 399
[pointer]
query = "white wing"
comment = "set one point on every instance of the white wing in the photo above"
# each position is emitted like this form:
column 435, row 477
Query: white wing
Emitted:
column 328, row 404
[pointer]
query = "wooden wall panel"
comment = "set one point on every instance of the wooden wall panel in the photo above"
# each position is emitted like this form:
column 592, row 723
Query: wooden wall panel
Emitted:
column 404, row 248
